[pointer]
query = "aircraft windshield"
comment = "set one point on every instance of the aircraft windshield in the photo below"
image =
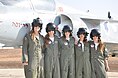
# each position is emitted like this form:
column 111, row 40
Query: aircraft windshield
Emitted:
column 48, row 5
column 10, row 2
column 44, row 4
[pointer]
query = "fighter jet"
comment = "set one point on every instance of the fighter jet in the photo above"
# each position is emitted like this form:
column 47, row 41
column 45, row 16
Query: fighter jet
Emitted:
column 16, row 17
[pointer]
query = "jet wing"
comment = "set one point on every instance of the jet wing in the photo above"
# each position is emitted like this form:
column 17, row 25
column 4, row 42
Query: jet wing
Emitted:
column 107, row 27
column 98, row 19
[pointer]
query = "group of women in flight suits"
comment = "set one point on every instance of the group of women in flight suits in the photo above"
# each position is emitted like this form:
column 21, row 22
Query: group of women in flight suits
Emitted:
column 63, row 57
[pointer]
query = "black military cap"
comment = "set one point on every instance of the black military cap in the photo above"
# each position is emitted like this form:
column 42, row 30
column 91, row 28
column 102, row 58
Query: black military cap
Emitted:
column 94, row 32
column 82, row 31
column 37, row 22
column 66, row 28
column 50, row 27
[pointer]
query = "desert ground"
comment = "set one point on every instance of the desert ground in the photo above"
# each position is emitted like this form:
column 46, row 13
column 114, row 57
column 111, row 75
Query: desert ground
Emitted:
column 10, row 60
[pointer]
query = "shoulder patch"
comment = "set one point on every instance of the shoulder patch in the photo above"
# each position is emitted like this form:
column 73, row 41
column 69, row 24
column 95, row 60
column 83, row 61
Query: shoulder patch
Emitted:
column 25, row 38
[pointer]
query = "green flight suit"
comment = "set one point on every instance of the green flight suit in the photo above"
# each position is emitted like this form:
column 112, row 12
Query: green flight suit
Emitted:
column 67, row 57
column 97, row 61
column 83, row 67
column 32, row 51
column 51, row 59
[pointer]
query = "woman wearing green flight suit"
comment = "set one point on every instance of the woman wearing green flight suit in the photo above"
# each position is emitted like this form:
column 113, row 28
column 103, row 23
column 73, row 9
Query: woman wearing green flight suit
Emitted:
column 67, row 55
column 32, row 51
column 83, row 67
column 51, row 55
column 99, row 56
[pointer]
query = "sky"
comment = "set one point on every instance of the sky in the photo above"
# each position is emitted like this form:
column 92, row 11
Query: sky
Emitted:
column 96, row 7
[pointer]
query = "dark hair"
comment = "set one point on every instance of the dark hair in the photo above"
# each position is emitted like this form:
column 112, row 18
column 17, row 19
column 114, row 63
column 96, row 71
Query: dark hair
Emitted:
column 101, row 45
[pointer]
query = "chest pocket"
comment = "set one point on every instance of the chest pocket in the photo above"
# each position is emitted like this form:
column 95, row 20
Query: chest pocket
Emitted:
column 68, row 45
column 79, row 47
column 65, row 45
column 86, row 48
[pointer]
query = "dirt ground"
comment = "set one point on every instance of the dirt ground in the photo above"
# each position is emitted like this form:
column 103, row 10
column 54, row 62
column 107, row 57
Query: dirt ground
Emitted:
column 113, row 64
column 11, row 58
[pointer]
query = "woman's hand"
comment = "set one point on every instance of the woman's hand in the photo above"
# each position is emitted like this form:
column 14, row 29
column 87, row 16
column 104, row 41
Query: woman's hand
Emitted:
column 107, row 68
column 25, row 63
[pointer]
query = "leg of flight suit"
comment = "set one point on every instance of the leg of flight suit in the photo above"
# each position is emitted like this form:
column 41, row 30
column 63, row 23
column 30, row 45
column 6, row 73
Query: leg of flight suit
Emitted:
column 41, row 75
column 92, row 69
column 86, row 65
column 87, row 70
column 78, row 72
column 28, row 72
column 100, row 71
column 35, row 73
column 72, row 67
column 79, row 67
column 40, row 72
column 48, row 67
column 64, row 67
column 56, row 73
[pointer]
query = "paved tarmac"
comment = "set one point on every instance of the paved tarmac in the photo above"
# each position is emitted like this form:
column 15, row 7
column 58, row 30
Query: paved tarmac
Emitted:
column 112, row 74
column 19, row 73
column 12, row 73
column 11, row 65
